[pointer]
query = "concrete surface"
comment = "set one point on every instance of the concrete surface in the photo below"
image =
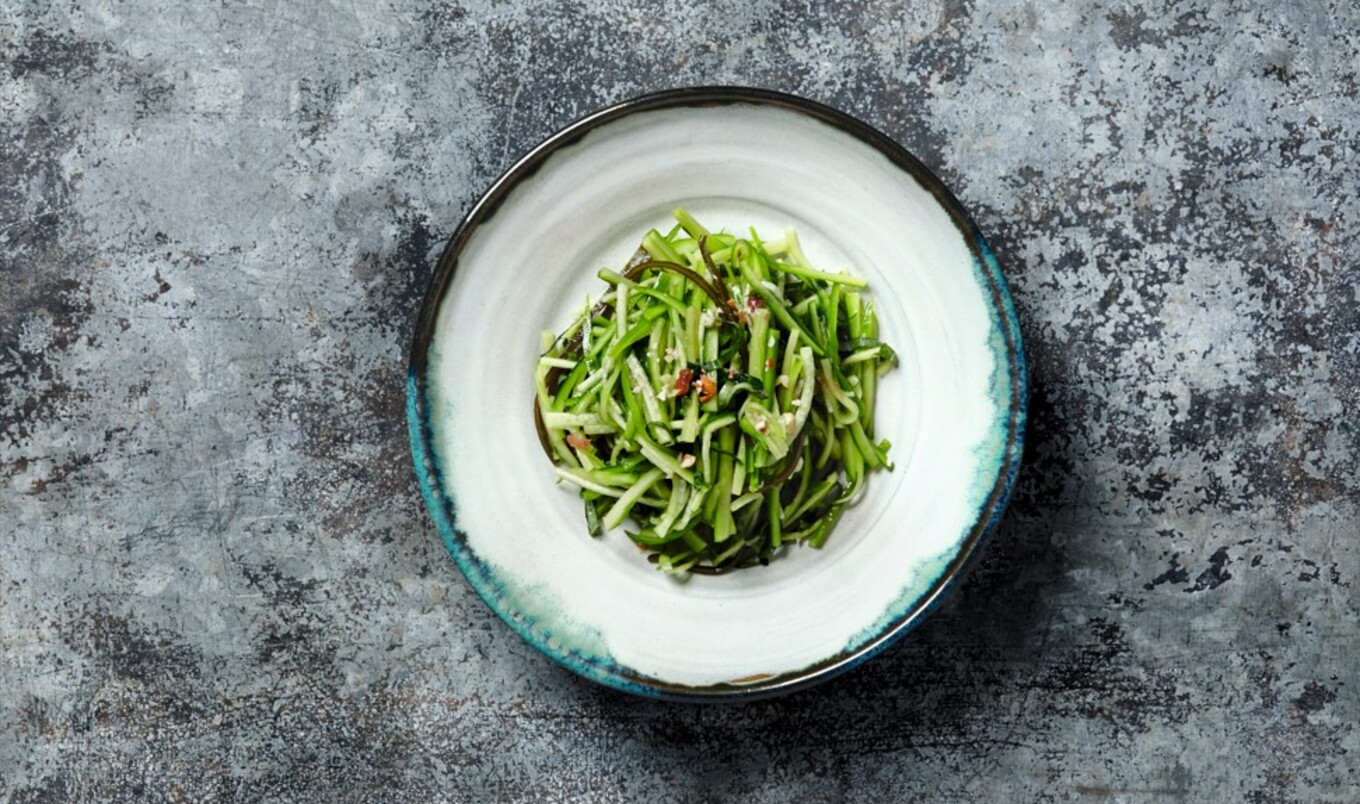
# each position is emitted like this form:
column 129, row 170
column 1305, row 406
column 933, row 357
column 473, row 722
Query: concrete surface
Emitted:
column 217, row 580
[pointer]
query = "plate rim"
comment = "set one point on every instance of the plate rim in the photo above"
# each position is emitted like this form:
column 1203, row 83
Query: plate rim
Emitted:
column 443, row 509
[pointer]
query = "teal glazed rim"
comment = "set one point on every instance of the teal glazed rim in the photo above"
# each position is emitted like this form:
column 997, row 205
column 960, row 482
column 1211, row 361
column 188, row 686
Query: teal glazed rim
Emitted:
column 444, row 508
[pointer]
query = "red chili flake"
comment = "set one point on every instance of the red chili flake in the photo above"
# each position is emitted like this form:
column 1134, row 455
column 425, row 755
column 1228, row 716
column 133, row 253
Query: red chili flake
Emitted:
column 769, row 362
column 683, row 380
column 578, row 441
column 753, row 303
column 708, row 388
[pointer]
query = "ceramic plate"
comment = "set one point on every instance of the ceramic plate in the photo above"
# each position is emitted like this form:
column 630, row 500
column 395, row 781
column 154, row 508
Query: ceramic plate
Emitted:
column 525, row 259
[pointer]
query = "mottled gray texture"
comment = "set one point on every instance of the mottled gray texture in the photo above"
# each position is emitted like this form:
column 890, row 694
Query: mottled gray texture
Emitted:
column 217, row 580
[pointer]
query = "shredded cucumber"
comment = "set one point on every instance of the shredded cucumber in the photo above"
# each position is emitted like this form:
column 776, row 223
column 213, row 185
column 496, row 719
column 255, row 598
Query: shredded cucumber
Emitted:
column 719, row 395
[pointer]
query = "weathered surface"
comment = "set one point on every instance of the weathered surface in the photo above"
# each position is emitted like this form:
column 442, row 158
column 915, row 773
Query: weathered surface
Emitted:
column 217, row 580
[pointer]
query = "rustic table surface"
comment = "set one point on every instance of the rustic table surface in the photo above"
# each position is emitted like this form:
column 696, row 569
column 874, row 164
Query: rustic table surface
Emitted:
column 217, row 578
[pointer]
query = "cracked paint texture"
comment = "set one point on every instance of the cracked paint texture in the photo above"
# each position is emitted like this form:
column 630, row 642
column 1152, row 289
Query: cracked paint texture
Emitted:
column 217, row 581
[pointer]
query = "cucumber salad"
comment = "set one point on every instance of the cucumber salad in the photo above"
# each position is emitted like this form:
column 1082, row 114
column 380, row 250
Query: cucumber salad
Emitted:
column 717, row 399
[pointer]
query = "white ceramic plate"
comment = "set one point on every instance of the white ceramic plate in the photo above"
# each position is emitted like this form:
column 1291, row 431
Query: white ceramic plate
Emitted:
column 524, row 261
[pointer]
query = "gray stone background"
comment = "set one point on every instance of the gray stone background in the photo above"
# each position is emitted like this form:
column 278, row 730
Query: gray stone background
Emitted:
column 217, row 579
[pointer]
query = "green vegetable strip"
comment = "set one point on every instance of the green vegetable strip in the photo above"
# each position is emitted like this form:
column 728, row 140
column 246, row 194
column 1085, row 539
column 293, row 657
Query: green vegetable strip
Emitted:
column 654, row 539
column 823, row 529
column 556, row 442
column 621, row 303
column 864, row 355
column 651, row 293
column 739, row 469
column 819, row 276
column 695, row 229
column 868, row 375
column 662, row 459
column 722, row 523
column 593, row 522
column 864, row 446
column 853, row 317
column 789, row 370
column 833, row 307
column 726, row 554
column 642, row 386
column 659, row 248
column 794, row 249
column 679, row 496
column 692, row 508
column 838, row 394
column 689, row 427
column 712, row 426
column 720, row 394
column 760, row 326
column 774, row 515
column 654, row 351
column 765, row 428
column 746, row 499
column 588, row 423
column 620, row 509
column 692, row 331
column 582, row 479
column 804, row 476
column 777, row 307
column 815, row 496
column 824, row 433
column 808, row 374
column 565, row 388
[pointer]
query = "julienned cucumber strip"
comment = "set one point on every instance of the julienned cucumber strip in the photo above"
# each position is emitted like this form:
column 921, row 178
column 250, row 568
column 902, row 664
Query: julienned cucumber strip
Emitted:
column 719, row 394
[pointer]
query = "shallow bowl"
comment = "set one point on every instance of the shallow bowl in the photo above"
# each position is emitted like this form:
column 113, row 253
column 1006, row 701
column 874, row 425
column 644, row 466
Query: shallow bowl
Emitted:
column 525, row 259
